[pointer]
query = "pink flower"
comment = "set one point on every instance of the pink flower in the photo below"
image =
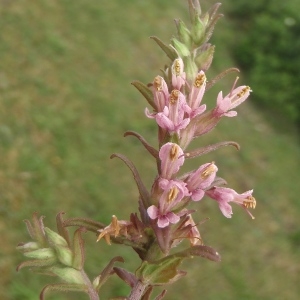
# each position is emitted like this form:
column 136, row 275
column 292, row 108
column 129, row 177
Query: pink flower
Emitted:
column 174, row 192
column 160, row 93
column 232, row 100
column 200, row 180
column 172, row 118
column 196, row 95
column 172, row 158
column 178, row 75
column 226, row 195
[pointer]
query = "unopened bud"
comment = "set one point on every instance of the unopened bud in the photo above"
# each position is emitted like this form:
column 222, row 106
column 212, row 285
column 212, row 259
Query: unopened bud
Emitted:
column 69, row 275
column 28, row 247
column 43, row 253
column 184, row 34
column 198, row 31
column 54, row 238
column 181, row 48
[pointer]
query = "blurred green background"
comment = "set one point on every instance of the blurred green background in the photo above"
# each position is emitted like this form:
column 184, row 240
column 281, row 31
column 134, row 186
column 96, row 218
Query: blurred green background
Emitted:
column 66, row 100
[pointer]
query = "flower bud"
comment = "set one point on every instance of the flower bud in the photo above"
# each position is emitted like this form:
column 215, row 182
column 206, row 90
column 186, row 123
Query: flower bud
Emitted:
column 184, row 34
column 64, row 255
column 54, row 238
column 198, row 31
column 204, row 56
column 69, row 275
column 30, row 246
column 181, row 48
column 43, row 253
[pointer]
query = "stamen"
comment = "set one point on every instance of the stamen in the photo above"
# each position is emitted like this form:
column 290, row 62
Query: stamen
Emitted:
column 157, row 83
column 177, row 68
column 243, row 92
column 200, row 80
column 250, row 202
column 210, row 169
column 172, row 194
column 174, row 152
column 174, row 96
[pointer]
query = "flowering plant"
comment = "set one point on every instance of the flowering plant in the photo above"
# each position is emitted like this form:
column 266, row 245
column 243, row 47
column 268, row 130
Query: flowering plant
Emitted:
column 165, row 218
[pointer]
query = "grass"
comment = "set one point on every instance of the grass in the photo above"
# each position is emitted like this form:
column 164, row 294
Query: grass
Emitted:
column 66, row 100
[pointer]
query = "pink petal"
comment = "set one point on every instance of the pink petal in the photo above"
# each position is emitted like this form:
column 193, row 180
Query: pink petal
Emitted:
column 152, row 212
column 163, row 221
column 173, row 218
column 197, row 195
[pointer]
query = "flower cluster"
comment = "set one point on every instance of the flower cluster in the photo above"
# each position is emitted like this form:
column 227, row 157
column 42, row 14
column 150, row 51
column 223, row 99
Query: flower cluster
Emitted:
column 178, row 113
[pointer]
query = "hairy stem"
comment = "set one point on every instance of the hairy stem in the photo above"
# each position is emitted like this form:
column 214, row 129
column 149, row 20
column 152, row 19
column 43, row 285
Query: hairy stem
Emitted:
column 137, row 291
column 91, row 291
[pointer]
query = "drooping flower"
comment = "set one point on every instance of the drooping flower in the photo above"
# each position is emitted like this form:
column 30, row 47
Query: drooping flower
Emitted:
column 172, row 158
column 232, row 100
column 173, row 192
column 172, row 118
column 225, row 195
column 199, row 180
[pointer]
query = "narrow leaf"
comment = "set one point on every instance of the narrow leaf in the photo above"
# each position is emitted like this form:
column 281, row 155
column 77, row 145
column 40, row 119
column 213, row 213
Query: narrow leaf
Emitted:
column 147, row 293
column 78, row 249
column 61, row 228
column 126, row 276
column 219, row 77
column 207, row 149
column 141, row 187
column 171, row 53
column 145, row 91
column 36, row 263
column 108, row 271
column 88, row 224
column 161, row 295
column 63, row 287
column 199, row 250
column 150, row 149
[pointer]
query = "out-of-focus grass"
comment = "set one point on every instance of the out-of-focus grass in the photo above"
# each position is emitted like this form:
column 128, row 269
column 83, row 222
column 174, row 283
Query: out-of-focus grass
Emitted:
column 65, row 69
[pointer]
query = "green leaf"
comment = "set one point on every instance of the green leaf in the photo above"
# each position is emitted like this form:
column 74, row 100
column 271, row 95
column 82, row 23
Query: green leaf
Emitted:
column 171, row 53
column 145, row 91
column 161, row 272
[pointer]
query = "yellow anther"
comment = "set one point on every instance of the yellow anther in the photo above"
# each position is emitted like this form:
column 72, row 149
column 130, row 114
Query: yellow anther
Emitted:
column 200, row 80
column 157, row 83
column 177, row 68
column 210, row 169
column 172, row 194
column 174, row 96
column 243, row 92
column 174, row 152
column 250, row 202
